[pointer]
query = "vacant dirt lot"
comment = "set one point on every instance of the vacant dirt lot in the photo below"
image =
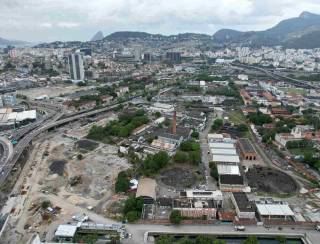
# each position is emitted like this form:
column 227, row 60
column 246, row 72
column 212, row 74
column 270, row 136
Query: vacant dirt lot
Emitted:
column 270, row 181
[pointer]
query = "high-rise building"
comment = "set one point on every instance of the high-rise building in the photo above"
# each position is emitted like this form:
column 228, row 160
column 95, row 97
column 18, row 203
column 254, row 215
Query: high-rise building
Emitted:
column 174, row 57
column 76, row 67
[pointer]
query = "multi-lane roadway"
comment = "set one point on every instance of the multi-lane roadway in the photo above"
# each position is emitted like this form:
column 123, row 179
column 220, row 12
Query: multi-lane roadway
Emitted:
column 48, row 123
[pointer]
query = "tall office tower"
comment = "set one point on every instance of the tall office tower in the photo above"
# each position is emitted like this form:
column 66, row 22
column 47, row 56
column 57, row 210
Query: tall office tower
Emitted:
column 174, row 57
column 76, row 66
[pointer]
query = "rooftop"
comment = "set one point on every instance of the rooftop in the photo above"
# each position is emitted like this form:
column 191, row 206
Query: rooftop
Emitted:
column 243, row 202
column 66, row 230
column 146, row 188
column 226, row 158
column 231, row 180
column 224, row 169
column 246, row 145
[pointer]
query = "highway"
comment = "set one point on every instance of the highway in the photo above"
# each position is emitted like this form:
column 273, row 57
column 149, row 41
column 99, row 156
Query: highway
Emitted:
column 50, row 122
column 299, row 83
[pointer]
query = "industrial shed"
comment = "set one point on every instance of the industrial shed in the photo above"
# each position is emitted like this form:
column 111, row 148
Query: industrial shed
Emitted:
column 147, row 190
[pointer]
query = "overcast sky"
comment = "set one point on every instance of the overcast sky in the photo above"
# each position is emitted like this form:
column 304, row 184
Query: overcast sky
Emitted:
column 50, row 20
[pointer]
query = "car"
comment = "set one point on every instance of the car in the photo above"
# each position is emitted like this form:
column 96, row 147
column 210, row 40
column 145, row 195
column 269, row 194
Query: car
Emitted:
column 318, row 228
column 239, row 228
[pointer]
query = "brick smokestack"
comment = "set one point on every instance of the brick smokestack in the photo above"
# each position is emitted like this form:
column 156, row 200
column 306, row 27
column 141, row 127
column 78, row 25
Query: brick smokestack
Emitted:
column 174, row 123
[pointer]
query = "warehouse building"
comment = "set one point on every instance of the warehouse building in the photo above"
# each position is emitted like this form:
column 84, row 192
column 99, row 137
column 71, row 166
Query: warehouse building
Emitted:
column 268, row 208
column 147, row 190
column 244, row 208
column 231, row 183
column 246, row 149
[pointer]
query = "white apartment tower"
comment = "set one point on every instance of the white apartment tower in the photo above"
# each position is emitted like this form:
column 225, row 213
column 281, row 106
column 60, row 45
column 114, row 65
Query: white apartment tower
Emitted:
column 76, row 67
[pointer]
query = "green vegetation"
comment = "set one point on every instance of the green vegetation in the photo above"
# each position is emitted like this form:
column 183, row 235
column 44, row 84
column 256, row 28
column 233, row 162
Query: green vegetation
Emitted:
column 236, row 116
column 251, row 240
column 157, row 114
column 314, row 77
column 122, row 183
column 217, row 124
column 195, row 134
column 122, row 127
column 153, row 163
column 281, row 239
column 207, row 77
column 85, row 99
column 310, row 117
column 214, row 170
column 86, row 238
column 175, row 217
column 80, row 156
column 189, row 152
column 300, row 144
column 164, row 239
column 259, row 118
column 132, row 209
column 201, row 239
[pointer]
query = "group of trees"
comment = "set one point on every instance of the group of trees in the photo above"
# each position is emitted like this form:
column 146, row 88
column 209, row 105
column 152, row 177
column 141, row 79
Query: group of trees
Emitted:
column 206, row 239
column 175, row 217
column 259, row 118
column 201, row 239
column 132, row 209
column 300, row 144
column 217, row 124
column 189, row 152
column 87, row 98
column 153, row 163
column 122, row 127
column 207, row 77
column 122, row 183
column 214, row 170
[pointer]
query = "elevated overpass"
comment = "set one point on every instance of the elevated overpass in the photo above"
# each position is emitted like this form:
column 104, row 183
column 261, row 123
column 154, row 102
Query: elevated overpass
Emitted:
column 52, row 122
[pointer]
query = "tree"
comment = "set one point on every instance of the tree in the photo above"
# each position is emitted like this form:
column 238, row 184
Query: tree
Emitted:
column 180, row 157
column 133, row 204
column 164, row 239
column 157, row 114
column 217, row 123
column 175, row 217
column 195, row 134
column 214, row 170
column 281, row 239
column 203, row 239
column 185, row 240
column 80, row 156
column 122, row 183
column 219, row 242
column 251, row 240
column 133, row 216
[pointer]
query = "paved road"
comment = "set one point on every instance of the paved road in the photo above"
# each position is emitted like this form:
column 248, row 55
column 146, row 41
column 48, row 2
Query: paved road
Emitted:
column 139, row 231
column 6, row 152
column 300, row 83
column 51, row 122
column 205, row 157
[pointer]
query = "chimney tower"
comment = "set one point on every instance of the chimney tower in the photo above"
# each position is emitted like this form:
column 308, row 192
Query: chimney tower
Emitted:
column 174, row 123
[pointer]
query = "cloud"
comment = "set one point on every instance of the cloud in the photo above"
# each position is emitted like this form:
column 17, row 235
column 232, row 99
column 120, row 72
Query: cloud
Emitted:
column 68, row 24
column 46, row 25
column 79, row 19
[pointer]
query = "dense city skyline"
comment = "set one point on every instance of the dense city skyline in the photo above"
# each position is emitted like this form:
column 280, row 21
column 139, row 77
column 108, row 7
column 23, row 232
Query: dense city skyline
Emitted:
column 35, row 20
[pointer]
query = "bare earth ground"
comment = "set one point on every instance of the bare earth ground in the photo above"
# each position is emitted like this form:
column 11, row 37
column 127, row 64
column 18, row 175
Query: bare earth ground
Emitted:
column 98, row 170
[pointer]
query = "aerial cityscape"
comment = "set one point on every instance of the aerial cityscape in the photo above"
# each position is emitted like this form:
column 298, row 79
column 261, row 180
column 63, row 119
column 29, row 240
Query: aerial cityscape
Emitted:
column 188, row 122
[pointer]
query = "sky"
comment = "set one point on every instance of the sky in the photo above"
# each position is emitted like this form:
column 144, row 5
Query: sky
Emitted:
column 67, row 20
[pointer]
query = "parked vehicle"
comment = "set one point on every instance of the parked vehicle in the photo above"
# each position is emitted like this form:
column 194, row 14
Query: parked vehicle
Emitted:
column 239, row 228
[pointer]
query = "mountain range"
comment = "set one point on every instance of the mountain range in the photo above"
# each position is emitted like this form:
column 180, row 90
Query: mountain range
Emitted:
column 5, row 42
column 97, row 37
column 299, row 32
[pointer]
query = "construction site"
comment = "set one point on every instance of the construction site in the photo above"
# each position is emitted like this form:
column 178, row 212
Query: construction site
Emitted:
column 62, row 177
